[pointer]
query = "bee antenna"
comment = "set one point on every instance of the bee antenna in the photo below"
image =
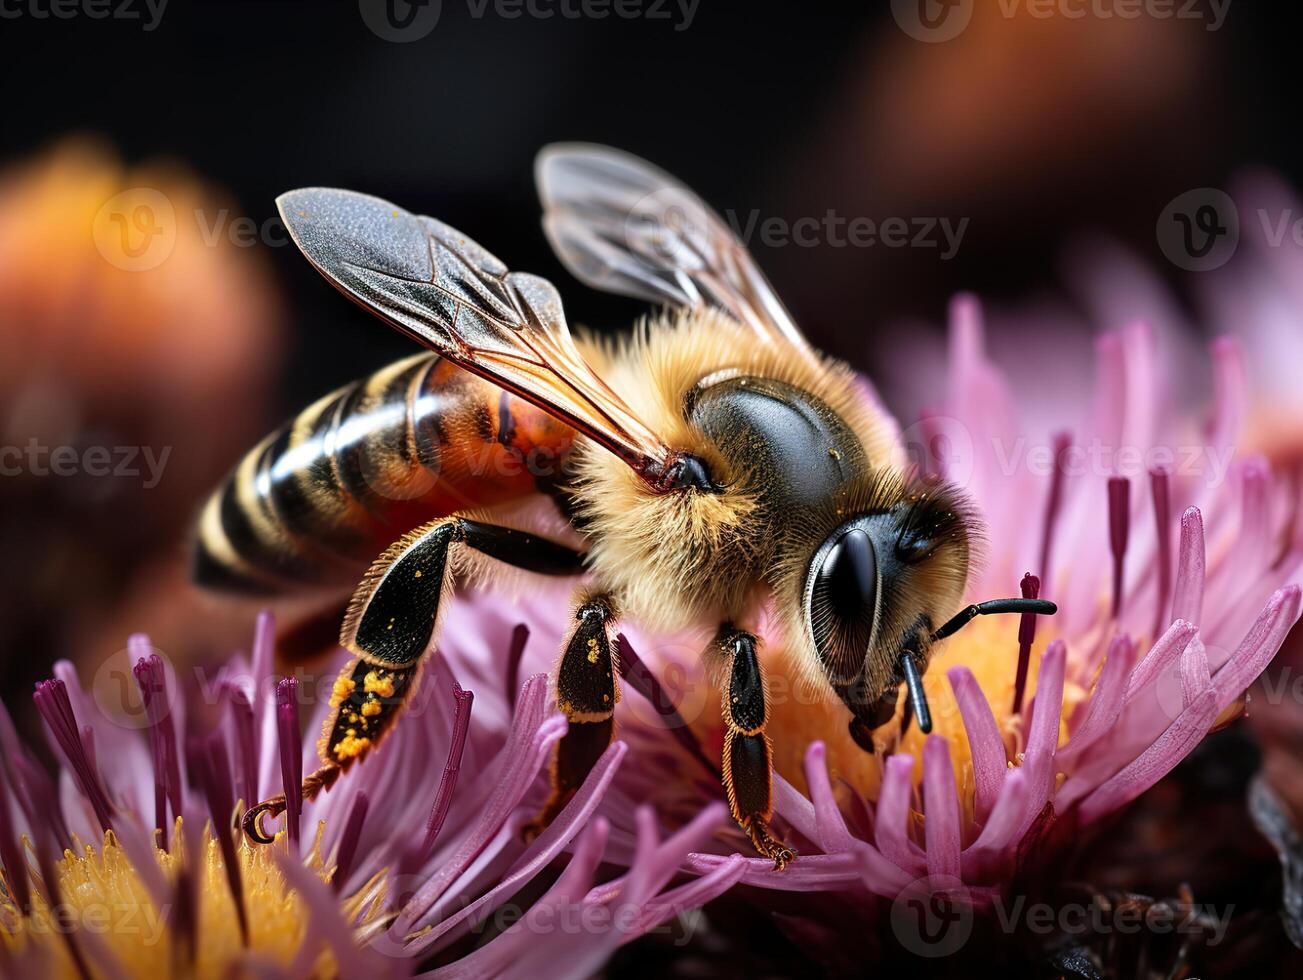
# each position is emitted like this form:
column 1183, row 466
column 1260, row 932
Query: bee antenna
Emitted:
column 1042, row 607
column 917, row 696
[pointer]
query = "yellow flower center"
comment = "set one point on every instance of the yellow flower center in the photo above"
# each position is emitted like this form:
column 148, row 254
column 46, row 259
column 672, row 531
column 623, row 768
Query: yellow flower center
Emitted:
column 102, row 893
column 988, row 647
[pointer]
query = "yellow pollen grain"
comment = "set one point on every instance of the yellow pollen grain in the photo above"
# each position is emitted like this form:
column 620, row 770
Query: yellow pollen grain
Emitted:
column 350, row 746
column 373, row 683
column 371, row 709
column 344, row 686
column 592, row 650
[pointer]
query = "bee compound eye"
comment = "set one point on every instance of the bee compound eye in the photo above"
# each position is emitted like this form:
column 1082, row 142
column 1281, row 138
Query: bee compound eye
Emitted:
column 844, row 600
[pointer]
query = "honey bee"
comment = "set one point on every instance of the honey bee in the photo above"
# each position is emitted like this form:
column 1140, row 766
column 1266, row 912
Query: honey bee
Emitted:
column 710, row 465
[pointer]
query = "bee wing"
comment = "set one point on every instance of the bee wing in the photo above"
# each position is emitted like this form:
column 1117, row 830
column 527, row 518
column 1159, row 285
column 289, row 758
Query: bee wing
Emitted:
column 623, row 226
column 448, row 293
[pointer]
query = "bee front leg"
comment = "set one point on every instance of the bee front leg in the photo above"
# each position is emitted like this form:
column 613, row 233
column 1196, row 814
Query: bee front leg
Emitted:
column 588, row 689
column 748, row 757
column 390, row 624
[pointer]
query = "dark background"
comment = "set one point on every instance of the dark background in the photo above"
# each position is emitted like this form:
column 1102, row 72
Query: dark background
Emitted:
column 1034, row 131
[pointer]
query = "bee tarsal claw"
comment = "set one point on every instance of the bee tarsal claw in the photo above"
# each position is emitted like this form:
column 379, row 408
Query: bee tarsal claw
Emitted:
column 251, row 822
column 767, row 846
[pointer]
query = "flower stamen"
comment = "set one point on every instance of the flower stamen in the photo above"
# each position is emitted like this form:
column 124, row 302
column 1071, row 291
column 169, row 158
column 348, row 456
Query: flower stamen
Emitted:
column 1119, row 527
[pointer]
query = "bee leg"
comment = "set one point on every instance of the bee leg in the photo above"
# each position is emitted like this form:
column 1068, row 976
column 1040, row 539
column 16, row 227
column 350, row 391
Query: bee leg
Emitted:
column 588, row 689
column 390, row 624
column 748, row 757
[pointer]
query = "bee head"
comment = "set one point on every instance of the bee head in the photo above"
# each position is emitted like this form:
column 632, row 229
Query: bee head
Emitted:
column 877, row 585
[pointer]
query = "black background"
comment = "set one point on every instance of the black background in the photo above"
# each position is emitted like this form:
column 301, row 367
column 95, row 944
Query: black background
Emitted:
column 752, row 105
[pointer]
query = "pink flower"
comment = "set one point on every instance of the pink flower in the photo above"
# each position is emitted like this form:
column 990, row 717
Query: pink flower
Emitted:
column 1173, row 564
column 408, row 864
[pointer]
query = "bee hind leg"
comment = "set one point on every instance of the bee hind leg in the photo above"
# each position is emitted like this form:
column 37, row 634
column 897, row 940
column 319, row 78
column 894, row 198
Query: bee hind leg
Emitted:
column 390, row 624
column 748, row 756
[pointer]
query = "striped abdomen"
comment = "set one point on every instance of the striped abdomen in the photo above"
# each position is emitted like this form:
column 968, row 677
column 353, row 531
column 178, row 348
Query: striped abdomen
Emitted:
column 319, row 498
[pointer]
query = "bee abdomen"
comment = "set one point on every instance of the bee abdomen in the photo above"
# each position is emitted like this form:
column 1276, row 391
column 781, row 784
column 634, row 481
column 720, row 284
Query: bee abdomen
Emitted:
column 319, row 498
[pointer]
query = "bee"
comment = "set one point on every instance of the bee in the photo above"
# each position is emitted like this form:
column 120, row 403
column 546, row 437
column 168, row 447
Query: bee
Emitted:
column 709, row 466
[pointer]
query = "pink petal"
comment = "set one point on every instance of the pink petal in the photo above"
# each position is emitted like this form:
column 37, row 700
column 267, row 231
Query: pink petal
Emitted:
column 527, row 748
column 1156, row 761
column 831, row 826
column 540, row 853
column 998, row 838
column 1191, row 565
column 1256, row 650
column 1105, row 703
column 990, row 762
column 891, row 832
column 808, row 873
column 1169, row 646
column 941, row 825
column 1043, row 739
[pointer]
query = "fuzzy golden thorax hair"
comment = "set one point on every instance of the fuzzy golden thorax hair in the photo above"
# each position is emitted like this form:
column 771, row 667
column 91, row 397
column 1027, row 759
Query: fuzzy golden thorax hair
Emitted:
column 677, row 559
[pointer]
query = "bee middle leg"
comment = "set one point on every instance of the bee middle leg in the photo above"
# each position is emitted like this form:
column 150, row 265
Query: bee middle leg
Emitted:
column 390, row 624
column 748, row 757
column 588, row 689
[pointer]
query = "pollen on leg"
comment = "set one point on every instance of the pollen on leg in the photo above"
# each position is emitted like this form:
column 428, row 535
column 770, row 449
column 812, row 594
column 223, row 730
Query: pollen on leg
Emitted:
column 344, row 686
column 378, row 682
column 350, row 746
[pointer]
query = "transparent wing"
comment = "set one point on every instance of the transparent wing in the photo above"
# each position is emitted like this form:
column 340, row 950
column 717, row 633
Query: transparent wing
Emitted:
column 445, row 291
column 623, row 226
